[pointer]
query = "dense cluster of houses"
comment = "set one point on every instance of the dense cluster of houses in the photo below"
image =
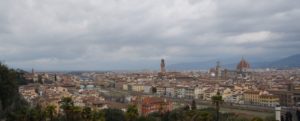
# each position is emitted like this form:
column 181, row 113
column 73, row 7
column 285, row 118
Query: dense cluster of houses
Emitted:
column 153, row 91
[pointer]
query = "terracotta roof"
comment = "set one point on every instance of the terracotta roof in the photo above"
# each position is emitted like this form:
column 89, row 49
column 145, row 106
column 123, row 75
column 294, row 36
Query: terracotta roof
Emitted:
column 267, row 96
column 251, row 92
column 243, row 64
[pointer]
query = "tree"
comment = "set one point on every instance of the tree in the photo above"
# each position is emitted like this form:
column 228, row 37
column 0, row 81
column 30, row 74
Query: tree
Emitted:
column 41, row 114
column 217, row 101
column 98, row 116
column 76, row 113
column 228, row 117
column 148, row 118
column 40, row 79
column 298, row 114
column 186, row 107
column 114, row 115
column 176, row 115
column 194, row 106
column 154, row 90
column 288, row 116
column 33, row 115
column 67, row 105
column 203, row 116
column 51, row 112
column 132, row 113
column 20, row 115
column 10, row 100
column 87, row 113
column 8, row 84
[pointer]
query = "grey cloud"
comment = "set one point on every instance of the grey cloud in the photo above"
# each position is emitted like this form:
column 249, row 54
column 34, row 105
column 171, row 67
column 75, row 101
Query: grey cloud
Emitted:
column 130, row 34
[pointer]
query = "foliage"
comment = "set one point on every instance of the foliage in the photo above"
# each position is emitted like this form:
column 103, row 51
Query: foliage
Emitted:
column 98, row 116
column 132, row 113
column 217, row 101
column 148, row 118
column 10, row 100
column 87, row 113
column 194, row 105
column 256, row 119
column 27, row 114
column 270, row 118
column 68, row 106
column 154, row 90
column 51, row 112
column 114, row 115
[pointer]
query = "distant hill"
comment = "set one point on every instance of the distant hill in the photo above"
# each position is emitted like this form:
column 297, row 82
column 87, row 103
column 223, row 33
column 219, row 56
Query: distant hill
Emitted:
column 288, row 62
column 190, row 66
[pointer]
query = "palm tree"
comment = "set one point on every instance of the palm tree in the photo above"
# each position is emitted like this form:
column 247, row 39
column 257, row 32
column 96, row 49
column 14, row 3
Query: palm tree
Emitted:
column 51, row 111
column 217, row 101
column 132, row 113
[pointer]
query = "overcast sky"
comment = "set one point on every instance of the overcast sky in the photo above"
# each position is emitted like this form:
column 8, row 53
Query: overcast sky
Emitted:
column 136, row 34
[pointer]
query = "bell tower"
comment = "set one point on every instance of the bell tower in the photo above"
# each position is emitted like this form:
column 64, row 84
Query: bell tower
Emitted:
column 162, row 66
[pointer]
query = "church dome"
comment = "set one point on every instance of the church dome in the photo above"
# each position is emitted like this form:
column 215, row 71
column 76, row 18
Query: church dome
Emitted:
column 243, row 64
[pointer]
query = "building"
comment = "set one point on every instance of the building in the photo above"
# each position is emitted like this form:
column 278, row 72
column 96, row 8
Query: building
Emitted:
column 147, row 89
column 161, row 90
column 155, row 104
column 170, row 92
column 28, row 92
column 287, row 98
column 162, row 66
column 218, row 70
column 251, row 97
column 190, row 92
column 243, row 66
column 268, row 100
column 125, row 87
column 138, row 88
column 260, row 98
column 180, row 91
column 162, row 72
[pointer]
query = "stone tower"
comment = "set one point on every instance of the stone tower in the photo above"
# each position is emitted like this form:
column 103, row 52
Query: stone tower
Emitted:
column 218, row 70
column 32, row 71
column 162, row 66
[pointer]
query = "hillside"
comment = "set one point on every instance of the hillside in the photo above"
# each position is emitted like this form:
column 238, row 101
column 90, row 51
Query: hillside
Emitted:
column 288, row 62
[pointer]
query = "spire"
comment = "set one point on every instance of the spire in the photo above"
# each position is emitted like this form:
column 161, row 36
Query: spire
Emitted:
column 32, row 71
column 218, row 64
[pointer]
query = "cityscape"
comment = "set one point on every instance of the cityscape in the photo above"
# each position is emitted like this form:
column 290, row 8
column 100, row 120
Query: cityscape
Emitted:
column 245, row 91
column 129, row 60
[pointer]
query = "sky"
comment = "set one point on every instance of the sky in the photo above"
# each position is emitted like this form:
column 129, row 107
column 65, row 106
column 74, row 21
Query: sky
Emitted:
column 136, row 34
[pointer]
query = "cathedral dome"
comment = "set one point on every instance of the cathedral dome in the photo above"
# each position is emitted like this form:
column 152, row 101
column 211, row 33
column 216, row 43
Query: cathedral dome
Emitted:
column 243, row 64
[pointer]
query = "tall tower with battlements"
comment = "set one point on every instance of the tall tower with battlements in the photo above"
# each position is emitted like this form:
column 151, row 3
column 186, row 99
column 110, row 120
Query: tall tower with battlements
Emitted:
column 162, row 66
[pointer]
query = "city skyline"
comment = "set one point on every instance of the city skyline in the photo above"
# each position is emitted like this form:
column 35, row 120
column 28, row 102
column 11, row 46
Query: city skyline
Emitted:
column 112, row 35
